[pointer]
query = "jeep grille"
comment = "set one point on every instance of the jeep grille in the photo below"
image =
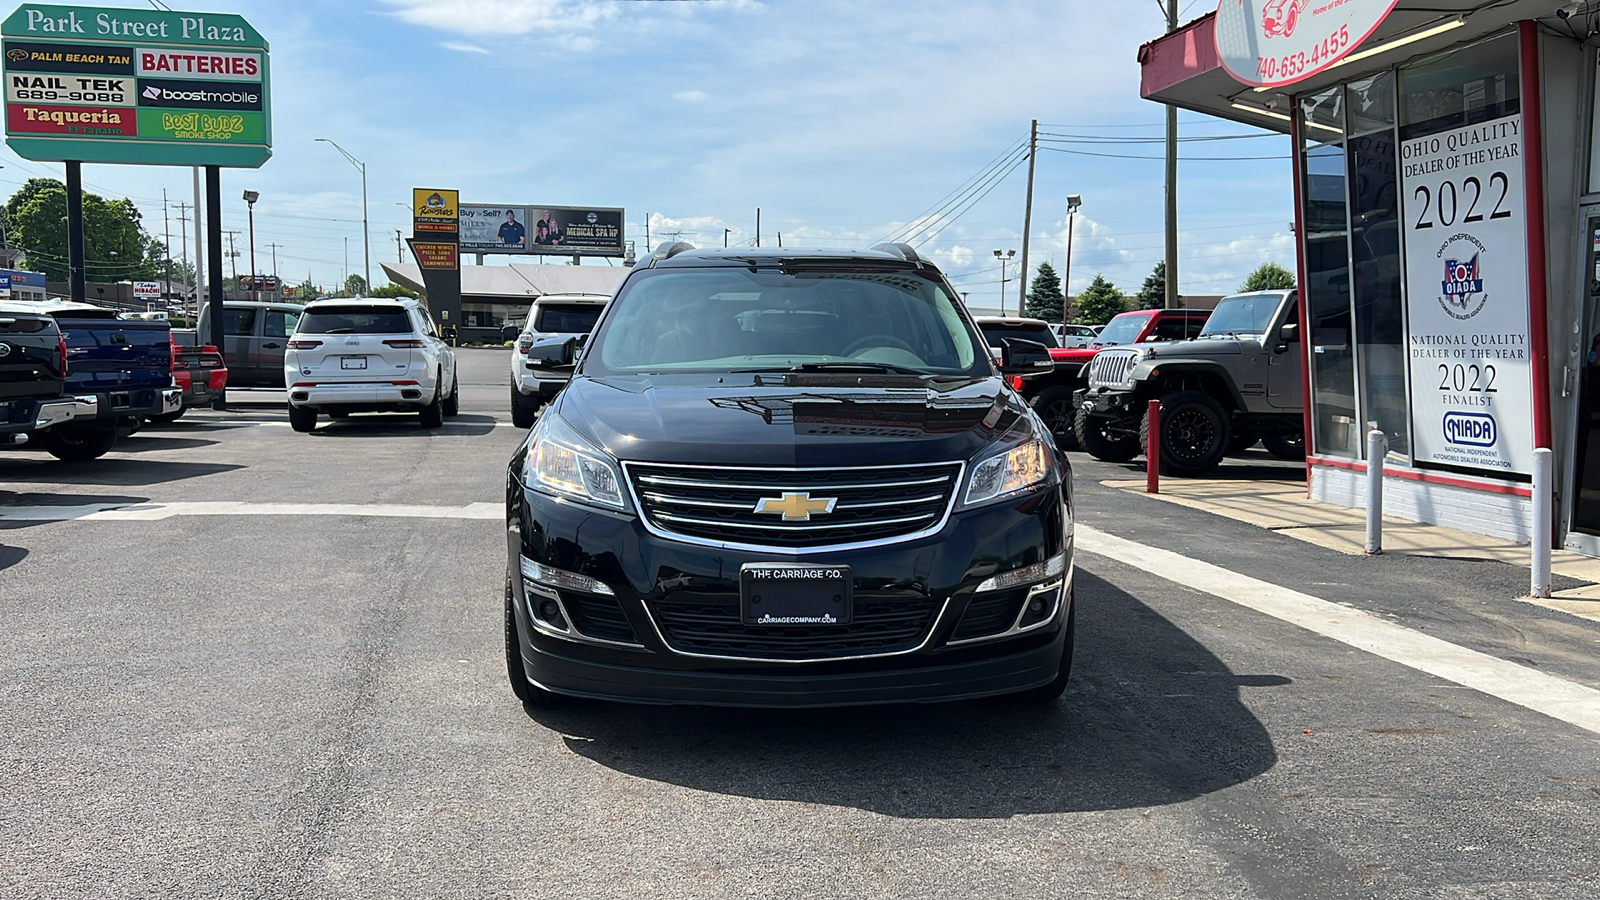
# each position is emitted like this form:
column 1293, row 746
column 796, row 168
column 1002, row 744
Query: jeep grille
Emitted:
column 1110, row 368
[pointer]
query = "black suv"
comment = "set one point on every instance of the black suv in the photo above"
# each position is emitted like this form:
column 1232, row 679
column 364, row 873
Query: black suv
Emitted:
column 789, row 478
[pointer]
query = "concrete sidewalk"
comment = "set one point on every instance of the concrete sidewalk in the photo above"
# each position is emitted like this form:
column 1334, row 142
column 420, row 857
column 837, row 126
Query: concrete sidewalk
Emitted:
column 1282, row 506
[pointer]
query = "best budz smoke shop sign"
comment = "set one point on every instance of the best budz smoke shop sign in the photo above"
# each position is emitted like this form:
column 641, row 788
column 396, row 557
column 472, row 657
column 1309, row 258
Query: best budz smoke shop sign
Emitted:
column 1269, row 43
column 135, row 86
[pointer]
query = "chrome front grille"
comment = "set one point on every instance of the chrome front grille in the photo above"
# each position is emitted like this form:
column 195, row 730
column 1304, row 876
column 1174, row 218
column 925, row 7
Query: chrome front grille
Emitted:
column 1110, row 368
column 720, row 505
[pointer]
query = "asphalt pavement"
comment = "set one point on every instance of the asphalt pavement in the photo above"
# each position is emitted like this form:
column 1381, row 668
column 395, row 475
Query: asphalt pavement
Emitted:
column 212, row 696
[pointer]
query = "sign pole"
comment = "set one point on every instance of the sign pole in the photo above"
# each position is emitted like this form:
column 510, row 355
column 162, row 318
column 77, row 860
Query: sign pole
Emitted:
column 75, row 274
column 214, row 266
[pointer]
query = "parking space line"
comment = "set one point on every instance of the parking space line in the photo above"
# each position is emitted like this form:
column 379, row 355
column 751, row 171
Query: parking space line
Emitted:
column 1550, row 695
column 154, row 512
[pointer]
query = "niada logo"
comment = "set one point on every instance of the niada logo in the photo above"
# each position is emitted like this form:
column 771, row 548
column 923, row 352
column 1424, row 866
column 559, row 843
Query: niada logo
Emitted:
column 1470, row 429
column 1461, row 293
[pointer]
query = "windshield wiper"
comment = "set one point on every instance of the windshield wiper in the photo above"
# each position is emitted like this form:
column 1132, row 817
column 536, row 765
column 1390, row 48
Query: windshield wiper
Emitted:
column 856, row 367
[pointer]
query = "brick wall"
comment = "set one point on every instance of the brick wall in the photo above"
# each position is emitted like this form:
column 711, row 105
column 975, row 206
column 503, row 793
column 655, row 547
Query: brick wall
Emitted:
column 1498, row 515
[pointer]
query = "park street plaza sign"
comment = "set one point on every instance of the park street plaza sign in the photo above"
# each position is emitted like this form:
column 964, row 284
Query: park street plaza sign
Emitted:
column 135, row 86
column 1271, row 43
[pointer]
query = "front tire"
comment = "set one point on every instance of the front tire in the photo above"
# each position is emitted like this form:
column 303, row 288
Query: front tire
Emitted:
column 525, row 690
column 1194, row 433
column 1054, row 406
column 1091, row 434
column 302, row 418
column 70, row 443
column 452, row 403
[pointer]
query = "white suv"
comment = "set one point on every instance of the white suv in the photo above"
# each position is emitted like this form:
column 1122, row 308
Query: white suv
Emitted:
column 365, row 354
column 553, row 320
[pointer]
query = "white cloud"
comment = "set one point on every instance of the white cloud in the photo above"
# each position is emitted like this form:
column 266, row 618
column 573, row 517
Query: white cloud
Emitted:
column 502, row 16
column 689, row 96
column 463, row 47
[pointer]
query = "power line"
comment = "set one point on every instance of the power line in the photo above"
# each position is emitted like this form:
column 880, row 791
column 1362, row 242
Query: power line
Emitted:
column 919, row 221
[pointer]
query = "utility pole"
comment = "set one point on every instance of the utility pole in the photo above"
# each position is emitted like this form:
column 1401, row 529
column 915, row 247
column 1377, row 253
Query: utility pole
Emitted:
column 183, row 233
column 166, row 229
column 1170, row 7
column 233, row 258
column 400, row 248
column 758, row 226
column 199, row 247
column 1027, row 224
column 647, row 248
column 725, row 233
column 274, row 245
column 345, row 286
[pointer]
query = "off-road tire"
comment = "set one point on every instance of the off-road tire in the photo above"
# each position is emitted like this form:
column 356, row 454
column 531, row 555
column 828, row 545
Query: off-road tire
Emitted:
column 1049, row 693
column 1092, row 438
column 302, row 418
column 75, row 443
column 523, row 410
column 1286, row 446
column 529, row 693
column 432, row 415
column 1194, row 433
column 1054, row 406
column 452, row 403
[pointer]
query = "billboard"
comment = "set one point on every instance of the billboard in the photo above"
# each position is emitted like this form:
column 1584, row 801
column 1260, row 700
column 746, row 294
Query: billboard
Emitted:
column 576, row 231
column 435, row 211
column 142, row 86
column 495, row 228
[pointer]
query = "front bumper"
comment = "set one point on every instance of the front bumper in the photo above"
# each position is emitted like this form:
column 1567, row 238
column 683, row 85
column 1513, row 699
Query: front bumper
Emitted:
column 633, row 646
column 367, row 393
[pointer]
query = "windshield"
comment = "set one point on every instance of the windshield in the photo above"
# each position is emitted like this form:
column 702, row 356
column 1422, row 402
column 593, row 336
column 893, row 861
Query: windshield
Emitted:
column 571, row 318
column 1245, row 314
column 354, row 320
column 1123, row 329
column 727, row 319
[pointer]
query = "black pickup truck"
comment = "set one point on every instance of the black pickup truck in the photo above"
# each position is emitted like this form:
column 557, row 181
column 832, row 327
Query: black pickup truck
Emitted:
column 119, row 373
column 33, row 366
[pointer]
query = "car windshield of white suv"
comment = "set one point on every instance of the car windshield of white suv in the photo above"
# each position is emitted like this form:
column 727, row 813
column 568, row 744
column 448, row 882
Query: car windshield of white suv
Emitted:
column 739, row 320
column 1123, row 329
column 1244, row 315
column 354, row 320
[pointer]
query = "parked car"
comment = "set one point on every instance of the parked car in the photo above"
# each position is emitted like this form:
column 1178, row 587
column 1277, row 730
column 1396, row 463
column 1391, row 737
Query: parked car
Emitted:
column 124, row 366
column 255, row 337
column 789, row 478
column 1235, row 384
column 368, row 355
column 33, row 368
column 199, row 374
column 552, row 320
column 1074, row 337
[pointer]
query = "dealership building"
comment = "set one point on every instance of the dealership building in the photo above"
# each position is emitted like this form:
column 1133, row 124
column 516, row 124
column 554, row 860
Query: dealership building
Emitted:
column 1447, row 211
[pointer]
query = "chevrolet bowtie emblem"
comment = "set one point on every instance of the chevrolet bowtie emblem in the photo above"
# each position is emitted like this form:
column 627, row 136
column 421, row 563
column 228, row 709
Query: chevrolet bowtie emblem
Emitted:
column 796, row 507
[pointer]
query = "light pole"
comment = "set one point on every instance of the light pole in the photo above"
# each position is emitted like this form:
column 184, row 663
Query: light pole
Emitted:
column 1004, row 258
column 250, row 198
column 1073, row 202
column 366, row 248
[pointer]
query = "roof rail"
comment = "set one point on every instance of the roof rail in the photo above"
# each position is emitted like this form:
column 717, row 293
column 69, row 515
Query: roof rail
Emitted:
column 904, row 251
column 668, row 251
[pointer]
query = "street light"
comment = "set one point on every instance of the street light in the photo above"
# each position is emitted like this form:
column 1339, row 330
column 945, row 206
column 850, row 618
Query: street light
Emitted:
column 1073, row 202
column 366, row 248
column 1003, row 257
column 250, row 198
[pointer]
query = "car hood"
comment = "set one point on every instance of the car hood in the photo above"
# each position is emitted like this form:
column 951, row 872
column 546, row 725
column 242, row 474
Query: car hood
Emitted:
column 1199, row 347
column 790, row 420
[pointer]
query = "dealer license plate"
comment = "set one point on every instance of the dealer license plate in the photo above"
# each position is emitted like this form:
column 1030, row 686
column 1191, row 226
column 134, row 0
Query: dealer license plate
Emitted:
column 791, row 594
column 352, row 362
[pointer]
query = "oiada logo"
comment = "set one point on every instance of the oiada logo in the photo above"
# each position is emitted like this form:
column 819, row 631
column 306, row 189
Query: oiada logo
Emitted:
column 1461, row 293
column 1470, row 429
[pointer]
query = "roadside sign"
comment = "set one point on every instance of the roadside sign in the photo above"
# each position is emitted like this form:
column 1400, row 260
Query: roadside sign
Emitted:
column 435, row 212
column 142, row 86
column 1271, row 43
column 146, row 289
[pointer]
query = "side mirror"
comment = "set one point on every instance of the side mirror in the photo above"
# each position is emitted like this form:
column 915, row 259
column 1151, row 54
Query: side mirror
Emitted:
column 1290, row 333
column 554, row 353
column 509, row 333
column 1023, row 357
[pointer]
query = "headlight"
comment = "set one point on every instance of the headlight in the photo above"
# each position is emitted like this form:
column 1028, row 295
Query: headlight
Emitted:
column 561, row 462
column 1013, row 471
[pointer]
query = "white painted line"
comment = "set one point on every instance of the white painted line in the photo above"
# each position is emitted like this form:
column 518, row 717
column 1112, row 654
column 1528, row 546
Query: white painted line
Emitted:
column 1555, row 697
column 154, row 512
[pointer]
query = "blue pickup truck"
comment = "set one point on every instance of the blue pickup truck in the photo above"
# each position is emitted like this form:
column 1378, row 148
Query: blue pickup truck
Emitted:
column 119, row 373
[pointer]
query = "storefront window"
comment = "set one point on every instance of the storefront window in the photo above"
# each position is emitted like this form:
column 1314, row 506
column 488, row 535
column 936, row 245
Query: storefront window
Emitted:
column 1463, row 87
column 1326, row 288
column 1375, row 254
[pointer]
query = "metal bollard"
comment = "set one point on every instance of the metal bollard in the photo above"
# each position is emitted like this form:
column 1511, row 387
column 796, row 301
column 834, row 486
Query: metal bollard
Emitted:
column 1377, row 449
column 1152, row 449
column 1543, row 470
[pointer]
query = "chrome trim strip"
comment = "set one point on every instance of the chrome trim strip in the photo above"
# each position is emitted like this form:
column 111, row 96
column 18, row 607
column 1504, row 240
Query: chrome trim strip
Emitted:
column 712, row 504
column 767, row 488
column 959, row 476
column 927, row 637
column 787, row 529
column 1016, row 625
column 572, row 633
column 910, row 502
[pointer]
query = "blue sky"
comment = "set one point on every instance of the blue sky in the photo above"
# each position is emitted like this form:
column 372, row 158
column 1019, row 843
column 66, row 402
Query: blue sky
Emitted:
column 843, row 121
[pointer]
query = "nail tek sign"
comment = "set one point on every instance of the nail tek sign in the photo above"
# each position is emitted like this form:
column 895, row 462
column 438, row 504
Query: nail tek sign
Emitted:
column 1271, row 43
column 135, row 86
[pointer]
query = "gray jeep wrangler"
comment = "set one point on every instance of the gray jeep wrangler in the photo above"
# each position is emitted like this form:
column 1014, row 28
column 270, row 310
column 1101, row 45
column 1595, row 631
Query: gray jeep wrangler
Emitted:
column 1235, row 384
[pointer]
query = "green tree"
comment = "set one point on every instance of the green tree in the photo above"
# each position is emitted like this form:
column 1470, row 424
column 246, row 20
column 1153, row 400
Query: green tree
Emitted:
column 1153, row 293
column 116, row 247
column 1268, row 276
column 355, row 286
column 1044, row 295
column 393, row 290
column 1100, row 302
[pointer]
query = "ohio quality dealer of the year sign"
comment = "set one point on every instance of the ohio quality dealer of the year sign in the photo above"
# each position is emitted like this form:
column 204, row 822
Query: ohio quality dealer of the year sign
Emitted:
column 135, row 86
column 1269, row 43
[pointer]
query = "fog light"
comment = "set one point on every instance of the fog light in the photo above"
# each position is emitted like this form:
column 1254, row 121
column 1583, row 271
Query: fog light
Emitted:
column 561, row 579
column 1048, row 569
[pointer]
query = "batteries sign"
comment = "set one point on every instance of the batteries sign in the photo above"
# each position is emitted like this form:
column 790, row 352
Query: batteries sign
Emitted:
column 135, row 86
